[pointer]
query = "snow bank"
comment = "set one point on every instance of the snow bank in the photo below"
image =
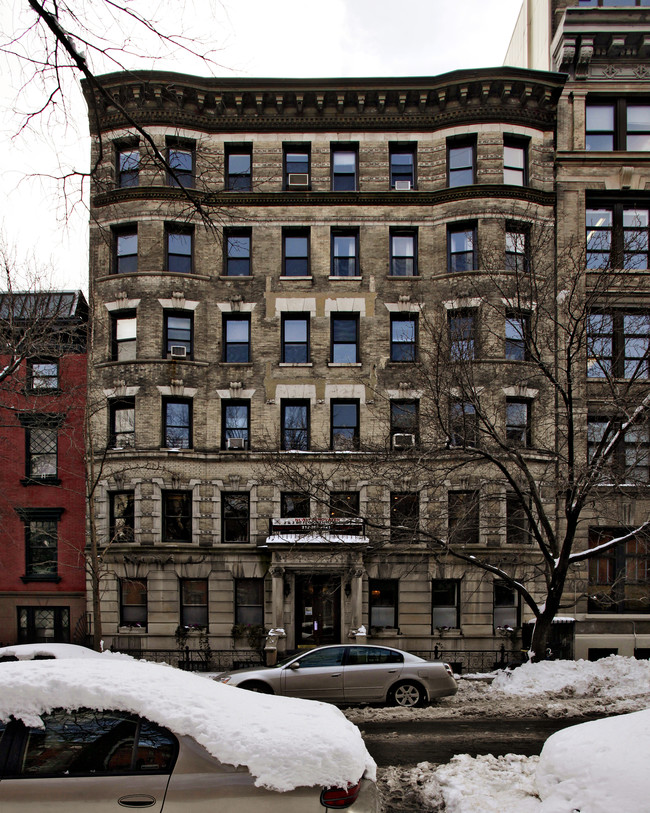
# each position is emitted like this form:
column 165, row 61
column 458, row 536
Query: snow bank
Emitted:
column 284, row 742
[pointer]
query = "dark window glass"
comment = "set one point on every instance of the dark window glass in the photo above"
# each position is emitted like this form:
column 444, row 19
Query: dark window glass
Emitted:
column 445, row 604
column 345, row 339
column 462, row 335
column 239, row 169
column 236, row 339
column 125, row 333
column 404, row 423
column 621, row 124
column 126, row 251
column 235, row 421
column 461, row 162
column 122, row 414
column 294, row 504
column 403, row 254
column 128, row 166
column 518, row 422
column 514, row 162
column 249, row 601
column 618, row 344
column 177, row 516
column 403, row 337
column 517, row 528
column 404, row 515
column 344, row 504
column 345, row 425
column 382, row 600
column 461, row 243
column 234, row 516
column 402, row 167
column 41, row 543
column 360, row 655
column 296, row 167
column 506, row 606
column 42, row 375
column 345, row 251
column 463, row 424
column 37, row 625
column 237, row 254
column 295, row 339
column 181, row 162
column 296, row 254
column 517, row 331
column 41, row 452
column 619, row 578
column 178, row 334
column 295, row 425
column 463, row 517
column 332, row 656
column 122, row 516
column 177, row 424
column 516, row 250
column 344, row 170
column 194, row 603
column 133, row 602
column 179, row 251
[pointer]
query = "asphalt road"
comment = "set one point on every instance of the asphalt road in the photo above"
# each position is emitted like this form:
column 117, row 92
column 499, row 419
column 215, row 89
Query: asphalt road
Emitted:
column 407, row 743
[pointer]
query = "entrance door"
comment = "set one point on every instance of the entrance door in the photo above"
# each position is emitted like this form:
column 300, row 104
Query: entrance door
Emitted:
column 318, row 610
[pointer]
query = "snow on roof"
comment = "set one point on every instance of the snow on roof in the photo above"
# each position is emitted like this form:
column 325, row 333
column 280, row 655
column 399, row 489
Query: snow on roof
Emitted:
column 284, row 742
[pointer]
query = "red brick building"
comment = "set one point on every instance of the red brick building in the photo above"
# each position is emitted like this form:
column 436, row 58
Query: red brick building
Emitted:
column 42, row 473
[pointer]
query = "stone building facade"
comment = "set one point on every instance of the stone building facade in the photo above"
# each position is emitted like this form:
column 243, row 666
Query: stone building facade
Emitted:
column 274, row 310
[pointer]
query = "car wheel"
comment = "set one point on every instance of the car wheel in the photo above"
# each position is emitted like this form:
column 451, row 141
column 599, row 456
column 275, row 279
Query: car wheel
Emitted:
column 256, row 686
column 407, row 695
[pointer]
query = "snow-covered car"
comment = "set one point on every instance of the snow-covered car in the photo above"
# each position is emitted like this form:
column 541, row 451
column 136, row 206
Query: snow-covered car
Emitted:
column 350, row 673
column 109, row 732
column 29, row 652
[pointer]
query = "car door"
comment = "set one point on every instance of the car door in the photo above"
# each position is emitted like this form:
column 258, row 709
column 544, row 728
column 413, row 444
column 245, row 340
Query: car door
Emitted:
column 369, row 673
column 87, row 760
column 317, row 675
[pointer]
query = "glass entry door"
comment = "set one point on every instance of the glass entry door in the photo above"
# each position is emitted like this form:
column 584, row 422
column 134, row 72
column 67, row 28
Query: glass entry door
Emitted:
column 318, row 610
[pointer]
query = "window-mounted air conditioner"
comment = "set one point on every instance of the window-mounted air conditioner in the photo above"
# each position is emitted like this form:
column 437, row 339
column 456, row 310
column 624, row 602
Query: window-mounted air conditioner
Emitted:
column 402, row 186
column 298, row 180
column 403, row 441
column 178, row 351
column 235, row 443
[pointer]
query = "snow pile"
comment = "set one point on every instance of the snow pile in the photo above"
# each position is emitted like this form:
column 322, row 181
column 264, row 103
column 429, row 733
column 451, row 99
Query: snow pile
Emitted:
column 284, row 742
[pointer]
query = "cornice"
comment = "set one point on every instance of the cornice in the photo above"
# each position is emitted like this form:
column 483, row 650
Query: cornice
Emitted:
column 230, row 200
column 300, row 105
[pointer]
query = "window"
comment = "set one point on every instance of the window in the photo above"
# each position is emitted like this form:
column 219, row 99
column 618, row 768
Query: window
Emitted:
column 237, row 258
column 41, row 542
column 619, row 577
column 295, row 253
column 296, row 166
column 345, row 254
column 618, row 237
column 344, row 169
column 122, row 516
column 517, row 528
column 249, row 601
column 128, row 165
column 42, row 375
column 236, row 339
column 463, row 517
column 179, row 334
column 295, row 339
column 239, row 168
column 620, row 124
column 234, row 516
column 295, row 425
column 517, row 333
column 518, row 431
column 179, row 250
column 133, row 603
column 126, row 250
column 445, row 604
column 402, row 166
column 461, row 247
column 404, row 515
column 180, row 157
column 613, row 3
column 461, row 161
column 618, row 345
column 177, row 423
column 403, row 337
column 514, row 161
column 235, row 422
column 38, row 625
column 506, row 606
column 345, row 339
column 403, row 253
column 125, row 330
column 404, row 424
column 516, row 249
column 177, row 516
column 122, row 430
column 293, row 504
column 41, row 458
column 382, row 600
column 462, row 335
column 194, row 603
column 629, row 461
column 463, row 424
column 344, row 504
column 345, row 425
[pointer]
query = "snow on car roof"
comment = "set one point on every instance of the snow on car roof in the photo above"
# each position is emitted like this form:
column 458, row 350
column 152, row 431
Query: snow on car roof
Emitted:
column 284, row 742
column 27, row 652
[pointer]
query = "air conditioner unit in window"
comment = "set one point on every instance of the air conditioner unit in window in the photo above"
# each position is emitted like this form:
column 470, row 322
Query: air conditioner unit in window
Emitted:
column 403, row 441
column 178, row 351
column 402, row 186
column 298, row 180
column 235, row 443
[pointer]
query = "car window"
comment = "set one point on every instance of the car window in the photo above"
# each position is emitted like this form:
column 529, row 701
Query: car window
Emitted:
column 94, row 742
column 369, row 654
column 332, row 656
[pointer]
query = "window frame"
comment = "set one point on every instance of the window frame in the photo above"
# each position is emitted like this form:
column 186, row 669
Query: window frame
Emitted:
column 399, row 345
column 407, row 427
column 620, row 131
column 616, row 363
column 338, row 184
column 395, row 259
column 118, row 343
column 291, row 233
column 453, row 264
column 168, row 342
column 610, row 240
column 344, row 504
column 186, row 429
column 463, row 430
column 402, row 148
column 198, row 619
column 118, row 405
column 355, row 427
column 184, row 259
column 460, row 530
column 498, row 585
column 518, row 530
column 285, row 345
column 297, row 149
column 256, row 618
column 462, row 332
column 230, row 261
column 228, row 347
column 226, row 404
column 517, row 251
column 125, row 232
column 404, row 524
column 609, row 571
column 299, row 499
column 238, row 181
column 517, row 348
column 27, row 633
column 128, row 619
column 511, row 427
column 127, row 534
column 375, row 588
column 186, row 177
column 184, row 517
column 50, row 425
column 285, row 442
column 336, row 233
column 458, row 143
column 520, row 144
column 438, row 586
column 340, row 317
column 32, row 378
column 229, row 517
column 36, row 568
column 130, row 177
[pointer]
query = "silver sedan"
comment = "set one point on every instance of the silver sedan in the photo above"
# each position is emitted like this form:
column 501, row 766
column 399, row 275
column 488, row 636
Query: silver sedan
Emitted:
column 351, row 673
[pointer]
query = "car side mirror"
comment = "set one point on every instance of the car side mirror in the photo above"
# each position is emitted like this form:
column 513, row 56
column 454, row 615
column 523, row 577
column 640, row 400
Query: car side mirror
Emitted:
column 295, row 665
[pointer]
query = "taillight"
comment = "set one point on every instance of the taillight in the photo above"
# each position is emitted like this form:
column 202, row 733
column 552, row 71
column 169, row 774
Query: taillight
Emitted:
column 449, row 669
column 340, row 798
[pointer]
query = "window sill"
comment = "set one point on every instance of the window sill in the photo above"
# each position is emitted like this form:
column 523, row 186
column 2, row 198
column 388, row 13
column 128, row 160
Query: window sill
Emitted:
column 235, row 276
column 358, row 278
column 237, row 363
column 38, row 578
column 121, row 449
column 43, row 391
column 131, row 630
column 309, row 278
column 403, row 276
column 40, row 481
column 176, row 449
column 344, row 364
column 296, row 364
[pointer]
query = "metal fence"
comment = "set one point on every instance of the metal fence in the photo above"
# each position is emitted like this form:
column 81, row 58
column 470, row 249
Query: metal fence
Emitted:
column 464, row 661
column 199, row 660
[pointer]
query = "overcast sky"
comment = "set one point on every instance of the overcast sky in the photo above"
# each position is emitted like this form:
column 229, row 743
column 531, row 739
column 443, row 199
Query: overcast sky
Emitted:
column 246, row 38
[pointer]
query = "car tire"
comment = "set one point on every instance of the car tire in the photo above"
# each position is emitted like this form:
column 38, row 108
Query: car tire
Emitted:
column 256, row 686
column 407, row 695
